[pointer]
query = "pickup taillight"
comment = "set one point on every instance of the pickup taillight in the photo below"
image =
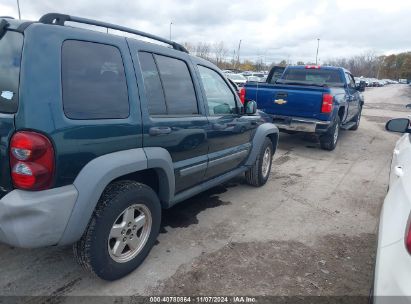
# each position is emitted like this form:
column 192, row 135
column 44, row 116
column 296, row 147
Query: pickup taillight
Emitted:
column 31, row 161
column 242, row 95
column 327, row 105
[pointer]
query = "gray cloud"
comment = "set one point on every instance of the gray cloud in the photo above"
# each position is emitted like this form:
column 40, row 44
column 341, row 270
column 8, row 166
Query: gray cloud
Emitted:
column 269, row 30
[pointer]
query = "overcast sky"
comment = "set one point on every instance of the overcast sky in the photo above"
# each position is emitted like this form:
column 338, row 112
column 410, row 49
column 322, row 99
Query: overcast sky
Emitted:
column 270, row 30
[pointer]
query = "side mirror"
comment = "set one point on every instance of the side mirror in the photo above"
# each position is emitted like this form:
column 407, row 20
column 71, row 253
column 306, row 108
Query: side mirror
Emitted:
column 251, row 107
column 399, row 125
column 361, row 86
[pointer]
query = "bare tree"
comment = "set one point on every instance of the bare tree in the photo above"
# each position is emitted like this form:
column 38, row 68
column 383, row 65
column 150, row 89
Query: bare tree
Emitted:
column 220, row 53
column 203, row 50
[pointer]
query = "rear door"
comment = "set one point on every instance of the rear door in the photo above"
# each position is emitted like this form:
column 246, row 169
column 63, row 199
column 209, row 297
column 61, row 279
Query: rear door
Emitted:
column 172, row 112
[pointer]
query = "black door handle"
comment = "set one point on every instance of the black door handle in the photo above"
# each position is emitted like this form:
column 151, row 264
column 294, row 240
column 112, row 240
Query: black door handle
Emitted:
column 154, row 131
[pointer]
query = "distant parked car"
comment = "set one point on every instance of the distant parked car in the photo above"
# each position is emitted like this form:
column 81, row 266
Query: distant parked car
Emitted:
column 238, row 79
column 393, row 265
column 253, row 79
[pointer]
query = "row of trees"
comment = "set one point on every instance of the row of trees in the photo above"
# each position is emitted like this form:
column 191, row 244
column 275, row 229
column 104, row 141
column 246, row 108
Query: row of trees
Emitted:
column 369, row 64
column 394, row 66
column 220, row 56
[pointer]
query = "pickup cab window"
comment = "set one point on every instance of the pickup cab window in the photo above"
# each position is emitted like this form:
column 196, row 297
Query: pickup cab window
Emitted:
column 312, row 76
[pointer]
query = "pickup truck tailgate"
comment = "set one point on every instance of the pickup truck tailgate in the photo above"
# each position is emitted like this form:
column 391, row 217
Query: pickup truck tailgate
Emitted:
column 290, row 100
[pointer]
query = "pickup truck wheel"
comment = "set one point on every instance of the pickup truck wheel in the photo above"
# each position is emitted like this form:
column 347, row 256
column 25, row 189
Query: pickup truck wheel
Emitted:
column 258, row 174
column 329, row 140
column 357, row 121
column 121, row 232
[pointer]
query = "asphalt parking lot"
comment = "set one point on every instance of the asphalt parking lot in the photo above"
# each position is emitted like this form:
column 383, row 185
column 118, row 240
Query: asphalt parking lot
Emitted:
column 311, row 230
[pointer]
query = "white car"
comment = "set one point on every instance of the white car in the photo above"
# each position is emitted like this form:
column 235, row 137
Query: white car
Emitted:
column 393, row 265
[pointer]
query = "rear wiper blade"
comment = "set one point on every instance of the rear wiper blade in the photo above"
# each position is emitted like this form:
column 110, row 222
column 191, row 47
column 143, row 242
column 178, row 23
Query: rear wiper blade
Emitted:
column 3, row 27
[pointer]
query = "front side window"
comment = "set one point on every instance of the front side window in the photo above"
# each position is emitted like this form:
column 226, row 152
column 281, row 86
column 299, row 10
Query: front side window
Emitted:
column 220, row 99
column 94, row 81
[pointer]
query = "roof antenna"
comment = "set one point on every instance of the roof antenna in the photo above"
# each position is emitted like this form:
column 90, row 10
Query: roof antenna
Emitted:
column 18, row 8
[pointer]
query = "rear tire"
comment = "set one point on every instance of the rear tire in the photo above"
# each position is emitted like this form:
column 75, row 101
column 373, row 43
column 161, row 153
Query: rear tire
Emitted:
column 258, row 174
column 121, row 232
column 329, row 140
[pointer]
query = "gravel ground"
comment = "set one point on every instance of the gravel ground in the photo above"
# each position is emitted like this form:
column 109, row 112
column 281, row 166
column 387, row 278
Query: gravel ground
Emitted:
column 311, row 230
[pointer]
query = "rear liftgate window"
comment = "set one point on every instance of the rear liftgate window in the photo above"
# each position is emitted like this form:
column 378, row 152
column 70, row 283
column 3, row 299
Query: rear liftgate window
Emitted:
column 94, row 82
column 10, row 58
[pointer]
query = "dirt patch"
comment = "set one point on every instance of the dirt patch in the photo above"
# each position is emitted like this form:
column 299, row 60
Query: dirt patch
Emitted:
column 377, row 119
column 385, row 106
column 282, row 159
column 337, row 265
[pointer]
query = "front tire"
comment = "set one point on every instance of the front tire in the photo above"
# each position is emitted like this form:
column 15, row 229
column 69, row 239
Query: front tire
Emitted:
column 329, row 140
column 258, row 174
column 121, row 232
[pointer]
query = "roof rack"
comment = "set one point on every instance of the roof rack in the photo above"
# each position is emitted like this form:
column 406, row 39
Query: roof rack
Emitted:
column 60, row 19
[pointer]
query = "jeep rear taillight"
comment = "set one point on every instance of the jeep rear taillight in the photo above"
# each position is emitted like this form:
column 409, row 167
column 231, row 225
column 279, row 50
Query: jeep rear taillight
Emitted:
column 327, row 105
column 242, row 95
column 31, row 161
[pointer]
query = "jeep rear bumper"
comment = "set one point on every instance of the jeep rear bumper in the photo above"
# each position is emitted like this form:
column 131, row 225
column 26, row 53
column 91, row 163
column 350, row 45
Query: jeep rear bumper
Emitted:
column 300, row 124
column 36, row 219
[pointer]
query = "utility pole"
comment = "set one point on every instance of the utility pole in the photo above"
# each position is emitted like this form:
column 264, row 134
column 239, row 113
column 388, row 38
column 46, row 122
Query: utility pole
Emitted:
column 18, row 8
column 318, row 47
column 238, row 53
column 170, row 28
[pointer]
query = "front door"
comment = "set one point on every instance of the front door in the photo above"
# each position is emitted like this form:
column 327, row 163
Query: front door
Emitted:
column 173, row 117
column 353, row 97
column 230, row 133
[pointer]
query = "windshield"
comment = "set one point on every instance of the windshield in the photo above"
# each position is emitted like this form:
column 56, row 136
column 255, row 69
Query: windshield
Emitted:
column 10, row 57
column 313, row 76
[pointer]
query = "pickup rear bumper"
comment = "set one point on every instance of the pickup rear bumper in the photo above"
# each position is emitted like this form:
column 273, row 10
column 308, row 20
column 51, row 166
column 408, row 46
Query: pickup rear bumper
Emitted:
column 300, row 124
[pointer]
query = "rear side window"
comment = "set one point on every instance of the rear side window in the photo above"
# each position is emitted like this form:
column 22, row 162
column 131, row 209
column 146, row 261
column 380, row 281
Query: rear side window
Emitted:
column 315, row 76
column 94, row 81
column 168, row 84
column 152, row 83
column 10, row 58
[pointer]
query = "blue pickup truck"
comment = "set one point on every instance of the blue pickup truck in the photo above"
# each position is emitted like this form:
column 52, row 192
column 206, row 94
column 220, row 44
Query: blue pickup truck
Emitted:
column 320, row 100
